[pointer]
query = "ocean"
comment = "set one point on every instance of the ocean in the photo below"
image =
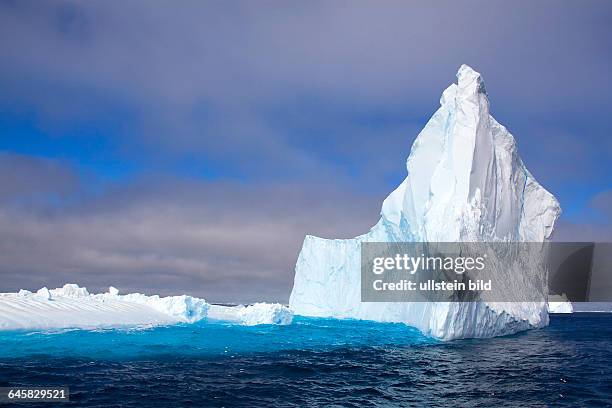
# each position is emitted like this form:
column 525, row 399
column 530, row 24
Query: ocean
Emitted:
column 315, row 362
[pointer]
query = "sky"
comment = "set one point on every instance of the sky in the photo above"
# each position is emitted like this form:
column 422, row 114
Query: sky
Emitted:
column 189, row 148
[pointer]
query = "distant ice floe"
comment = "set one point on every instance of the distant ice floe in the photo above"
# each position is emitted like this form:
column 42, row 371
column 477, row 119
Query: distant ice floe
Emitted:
column 559, row 304
column 72, row 306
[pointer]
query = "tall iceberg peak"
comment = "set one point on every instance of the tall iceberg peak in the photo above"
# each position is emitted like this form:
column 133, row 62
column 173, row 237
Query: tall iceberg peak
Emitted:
column 465, row 183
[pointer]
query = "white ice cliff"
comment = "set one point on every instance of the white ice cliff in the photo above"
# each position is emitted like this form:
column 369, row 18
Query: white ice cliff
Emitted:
column 74, row 307
column 465, row 183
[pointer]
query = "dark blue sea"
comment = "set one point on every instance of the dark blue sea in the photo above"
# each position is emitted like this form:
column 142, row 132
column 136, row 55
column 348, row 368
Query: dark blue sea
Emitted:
column 316, row 362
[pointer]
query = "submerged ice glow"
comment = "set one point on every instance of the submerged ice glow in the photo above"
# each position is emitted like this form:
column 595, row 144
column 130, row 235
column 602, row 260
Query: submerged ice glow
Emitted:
column 465, row 183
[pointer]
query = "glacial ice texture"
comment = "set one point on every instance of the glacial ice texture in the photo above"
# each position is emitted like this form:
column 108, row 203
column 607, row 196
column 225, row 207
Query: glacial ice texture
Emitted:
column 465, row 183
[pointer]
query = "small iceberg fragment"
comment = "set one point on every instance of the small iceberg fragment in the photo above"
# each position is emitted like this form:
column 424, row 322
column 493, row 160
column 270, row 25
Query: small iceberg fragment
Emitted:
column 258, row 313
column 70, row 290
column 266, row 313
column 183, row 308
column 24, row 293
column 43, row 293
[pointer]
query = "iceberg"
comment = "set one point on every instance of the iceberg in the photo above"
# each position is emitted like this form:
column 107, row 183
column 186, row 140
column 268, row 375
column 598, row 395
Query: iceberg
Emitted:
column 465, row 183
column 72, row 306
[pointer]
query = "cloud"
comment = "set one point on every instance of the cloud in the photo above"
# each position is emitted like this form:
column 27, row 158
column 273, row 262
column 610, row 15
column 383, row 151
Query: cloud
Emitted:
column 26, row 180
column 567, row 231
column 603, row 203
column 223, row 241
column 596, row 225
column 204, row 76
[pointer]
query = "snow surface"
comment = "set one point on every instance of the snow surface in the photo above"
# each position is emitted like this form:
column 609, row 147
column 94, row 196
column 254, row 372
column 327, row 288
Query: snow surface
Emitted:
column 72, row 306
column 465, row 183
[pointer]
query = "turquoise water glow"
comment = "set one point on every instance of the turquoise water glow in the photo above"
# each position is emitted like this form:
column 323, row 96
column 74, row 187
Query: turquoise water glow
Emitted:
column 316, row 363
column 207, row 339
